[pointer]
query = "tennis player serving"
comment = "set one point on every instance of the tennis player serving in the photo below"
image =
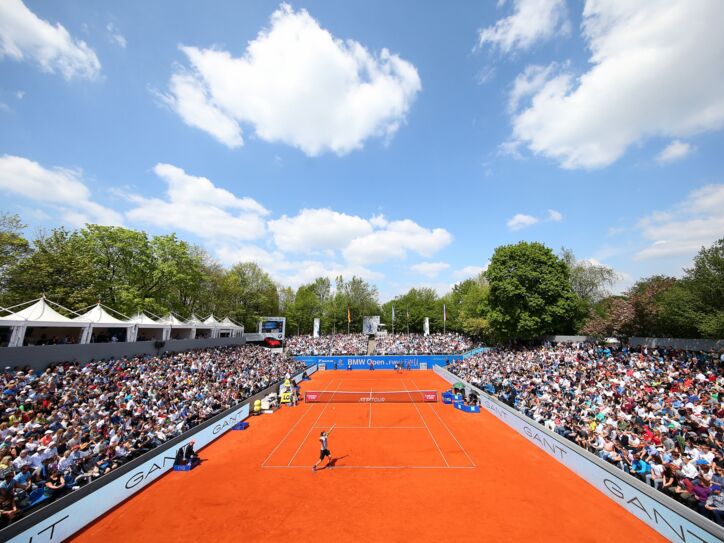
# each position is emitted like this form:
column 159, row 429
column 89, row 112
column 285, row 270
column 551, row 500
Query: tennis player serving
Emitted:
column 323, row 438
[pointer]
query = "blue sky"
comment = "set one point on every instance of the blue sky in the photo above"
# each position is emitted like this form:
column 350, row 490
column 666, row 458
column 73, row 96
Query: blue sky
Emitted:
column 399, row 141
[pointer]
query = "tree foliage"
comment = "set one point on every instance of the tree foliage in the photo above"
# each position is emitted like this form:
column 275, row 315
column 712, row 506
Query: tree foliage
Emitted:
column 660, row 306
column 530, row 292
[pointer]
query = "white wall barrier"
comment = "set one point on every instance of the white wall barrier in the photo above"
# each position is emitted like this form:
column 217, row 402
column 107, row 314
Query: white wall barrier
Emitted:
column 668, row 517
column 67, row 521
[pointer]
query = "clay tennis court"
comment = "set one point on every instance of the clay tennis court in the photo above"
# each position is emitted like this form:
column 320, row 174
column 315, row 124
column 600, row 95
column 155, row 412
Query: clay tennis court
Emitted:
column 402, row 471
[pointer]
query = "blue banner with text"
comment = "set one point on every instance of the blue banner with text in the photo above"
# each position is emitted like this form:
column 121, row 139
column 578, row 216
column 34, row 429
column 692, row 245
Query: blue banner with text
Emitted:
column 363, row 362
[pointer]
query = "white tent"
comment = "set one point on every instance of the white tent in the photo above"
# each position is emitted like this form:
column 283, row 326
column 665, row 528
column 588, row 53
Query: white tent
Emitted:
column 179, row 328
column 148, row 329
column 103, row 325
column 233, row 329
column 214, row 324
column 41, row 319
column 203, row 330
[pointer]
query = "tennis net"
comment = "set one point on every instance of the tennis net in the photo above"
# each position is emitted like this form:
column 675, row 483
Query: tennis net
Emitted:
column 388, row 396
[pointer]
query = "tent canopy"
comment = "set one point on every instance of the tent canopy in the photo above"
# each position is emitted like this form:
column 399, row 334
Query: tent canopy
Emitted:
column 228, row 323
column 100, row 317
column 198, row 323
column 174, row 321
column 41, row 314
column 211, row 320
column 144, row 321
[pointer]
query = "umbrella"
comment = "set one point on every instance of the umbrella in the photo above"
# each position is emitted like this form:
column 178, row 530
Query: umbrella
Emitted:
column 459, row 385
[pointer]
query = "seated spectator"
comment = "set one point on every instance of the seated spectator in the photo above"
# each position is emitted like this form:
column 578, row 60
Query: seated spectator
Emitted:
column 70, row 424
column 658, row 411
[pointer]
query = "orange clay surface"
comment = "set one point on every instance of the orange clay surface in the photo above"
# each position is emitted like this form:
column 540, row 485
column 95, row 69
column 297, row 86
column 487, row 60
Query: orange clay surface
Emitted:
column 402, row 472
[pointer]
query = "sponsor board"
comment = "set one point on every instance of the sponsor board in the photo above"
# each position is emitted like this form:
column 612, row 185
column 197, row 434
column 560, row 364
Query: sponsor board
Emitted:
column 669, row 518
column 389, row 362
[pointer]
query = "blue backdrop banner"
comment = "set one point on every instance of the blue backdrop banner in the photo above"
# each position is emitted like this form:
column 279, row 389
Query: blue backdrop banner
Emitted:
column 364, row 362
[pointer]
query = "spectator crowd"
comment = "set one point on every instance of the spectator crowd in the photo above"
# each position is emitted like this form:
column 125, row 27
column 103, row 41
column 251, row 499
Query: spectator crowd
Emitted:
column 70, row 424
column 449, row 343
column 657, row 414
column 397, row 344
column 337, row 344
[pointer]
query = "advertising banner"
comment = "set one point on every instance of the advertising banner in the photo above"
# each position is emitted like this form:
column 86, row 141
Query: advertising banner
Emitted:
column 315, row 333
column 389, row 362
column 427, row 326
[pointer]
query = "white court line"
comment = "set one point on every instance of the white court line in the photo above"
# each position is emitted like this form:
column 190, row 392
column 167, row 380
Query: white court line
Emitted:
column 373, row 467
column 313, row 425
column 426, row 426
column 450, row 432
column 375, row 427
column 292, row 428
column 370, row 423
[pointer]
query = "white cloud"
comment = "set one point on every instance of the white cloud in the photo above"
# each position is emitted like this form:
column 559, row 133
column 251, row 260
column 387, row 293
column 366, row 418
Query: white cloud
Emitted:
column 317, row 230
column 24, row 36
column 529, row 82
column 196, row 205
column 116, row 36
column 631, row 92
column 676, row 150
column 60, row 188
column 298, row 85
column 189, row 98
column 683, row 230
column 470, row 271
column 429, row 269
column 532, row 21
column 268, row 260
column 555, row 216
column 521, row 220
column 299, row 273
column 395, row 241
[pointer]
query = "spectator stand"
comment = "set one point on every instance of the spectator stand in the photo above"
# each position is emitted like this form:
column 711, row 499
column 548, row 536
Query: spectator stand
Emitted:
column 69, row 513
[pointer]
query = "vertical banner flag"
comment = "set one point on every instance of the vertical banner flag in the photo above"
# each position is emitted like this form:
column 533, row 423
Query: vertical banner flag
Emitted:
column 349, row 316
column 316, row 328
column 427, row 326
column 444, row 312
column 393, row 313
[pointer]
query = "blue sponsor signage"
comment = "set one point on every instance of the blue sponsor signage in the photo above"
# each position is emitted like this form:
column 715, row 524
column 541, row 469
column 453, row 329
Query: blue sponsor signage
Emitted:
column 363, row 362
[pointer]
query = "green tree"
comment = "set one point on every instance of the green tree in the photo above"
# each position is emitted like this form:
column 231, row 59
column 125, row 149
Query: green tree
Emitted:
column 411, row 309
column 530, row 292
column 356, row 295
column 469, row 301
column 13, row 246
column 695, row 306
column 58, row 267
column 590, row 281
column 246, row 294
